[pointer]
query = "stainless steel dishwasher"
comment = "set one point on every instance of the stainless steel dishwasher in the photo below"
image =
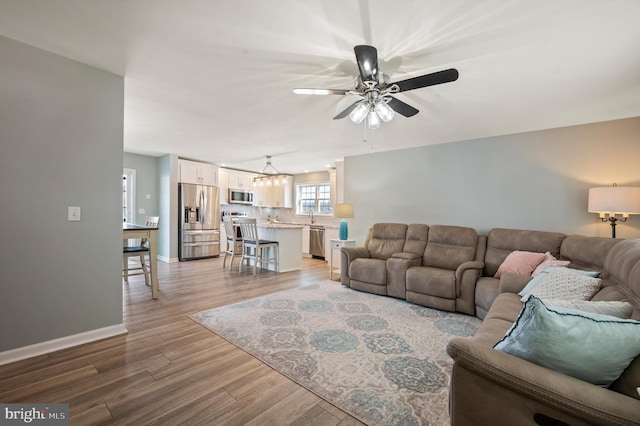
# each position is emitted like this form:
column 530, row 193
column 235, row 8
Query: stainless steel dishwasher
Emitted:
column 316, row 241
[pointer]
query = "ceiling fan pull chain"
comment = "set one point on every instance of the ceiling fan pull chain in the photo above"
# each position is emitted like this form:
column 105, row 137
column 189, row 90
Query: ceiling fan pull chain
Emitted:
column 364, row 133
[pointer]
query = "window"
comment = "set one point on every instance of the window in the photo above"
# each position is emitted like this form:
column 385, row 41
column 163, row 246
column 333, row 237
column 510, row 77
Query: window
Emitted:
column 313, row 198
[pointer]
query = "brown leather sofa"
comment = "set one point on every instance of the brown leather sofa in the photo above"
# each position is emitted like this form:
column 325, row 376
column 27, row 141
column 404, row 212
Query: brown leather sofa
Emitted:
column 435, row 266
column 490, row 387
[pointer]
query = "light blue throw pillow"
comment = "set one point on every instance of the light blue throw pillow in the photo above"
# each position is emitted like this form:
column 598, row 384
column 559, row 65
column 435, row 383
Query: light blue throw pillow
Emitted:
column 542, row 275
column 591, row 347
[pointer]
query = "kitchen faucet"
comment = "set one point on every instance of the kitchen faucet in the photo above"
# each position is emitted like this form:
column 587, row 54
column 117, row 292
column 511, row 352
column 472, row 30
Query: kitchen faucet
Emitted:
column 311, row 215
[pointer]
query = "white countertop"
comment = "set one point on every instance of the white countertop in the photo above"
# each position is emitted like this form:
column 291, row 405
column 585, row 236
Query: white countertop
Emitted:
column 279, row 225
column 293, row 225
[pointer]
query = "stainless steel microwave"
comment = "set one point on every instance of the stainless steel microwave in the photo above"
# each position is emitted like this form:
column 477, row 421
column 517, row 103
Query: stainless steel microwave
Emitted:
column 240, row 196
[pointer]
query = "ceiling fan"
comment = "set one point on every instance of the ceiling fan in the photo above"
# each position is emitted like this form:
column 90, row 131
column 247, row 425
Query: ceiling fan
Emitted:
column 376, row 91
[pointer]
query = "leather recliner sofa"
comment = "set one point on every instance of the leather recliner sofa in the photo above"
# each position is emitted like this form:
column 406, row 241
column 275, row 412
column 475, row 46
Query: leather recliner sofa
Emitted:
column 484, row 378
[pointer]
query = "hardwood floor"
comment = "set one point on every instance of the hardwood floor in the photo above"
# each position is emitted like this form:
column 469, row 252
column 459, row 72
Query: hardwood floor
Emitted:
column 168, row 370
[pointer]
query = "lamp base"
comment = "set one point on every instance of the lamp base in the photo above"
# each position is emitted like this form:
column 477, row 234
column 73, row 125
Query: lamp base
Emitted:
column 343, row 231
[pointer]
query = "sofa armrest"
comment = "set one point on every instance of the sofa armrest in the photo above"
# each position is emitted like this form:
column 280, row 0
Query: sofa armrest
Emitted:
column 472, row 264
column 467, row 275
column 513, row 283
column 397, row 266
column 543, row 386
column 348, row 255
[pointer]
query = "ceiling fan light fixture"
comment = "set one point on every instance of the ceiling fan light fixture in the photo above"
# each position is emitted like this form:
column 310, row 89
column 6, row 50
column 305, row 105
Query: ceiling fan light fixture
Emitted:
column 384, row 111
column 373, row 120
column 359, row 113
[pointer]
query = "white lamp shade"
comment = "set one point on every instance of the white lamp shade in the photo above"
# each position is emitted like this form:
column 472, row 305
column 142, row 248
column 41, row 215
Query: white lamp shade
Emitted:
column 614, row 199
column 343, row 210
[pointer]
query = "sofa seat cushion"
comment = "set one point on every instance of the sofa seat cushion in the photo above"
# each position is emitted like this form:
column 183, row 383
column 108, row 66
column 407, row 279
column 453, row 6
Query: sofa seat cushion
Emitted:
column 432, row 281
column 372, row 271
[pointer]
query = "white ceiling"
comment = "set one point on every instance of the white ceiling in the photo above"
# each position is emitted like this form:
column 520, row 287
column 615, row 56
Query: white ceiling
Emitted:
column 212, row 79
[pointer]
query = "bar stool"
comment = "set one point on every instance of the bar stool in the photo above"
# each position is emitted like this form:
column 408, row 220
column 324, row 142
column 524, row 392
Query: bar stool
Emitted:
column 253, row 248
column 234, row 240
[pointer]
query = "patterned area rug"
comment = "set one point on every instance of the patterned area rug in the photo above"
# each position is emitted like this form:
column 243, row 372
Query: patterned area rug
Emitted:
column 380, row 359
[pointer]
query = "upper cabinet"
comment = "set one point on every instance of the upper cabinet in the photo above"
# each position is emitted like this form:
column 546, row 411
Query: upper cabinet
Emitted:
column 273, row 191
column 198, row 173
column 233, row 179
column 240, row 180
column 223, row 184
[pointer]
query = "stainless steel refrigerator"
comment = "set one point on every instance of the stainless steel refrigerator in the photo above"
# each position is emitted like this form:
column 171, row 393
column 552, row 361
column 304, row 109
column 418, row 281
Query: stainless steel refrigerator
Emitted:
column 199, row 221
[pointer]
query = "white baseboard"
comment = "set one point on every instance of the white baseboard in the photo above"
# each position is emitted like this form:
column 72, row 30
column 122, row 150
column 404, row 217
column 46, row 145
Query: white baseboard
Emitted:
column 168, row 259
column 42, row 348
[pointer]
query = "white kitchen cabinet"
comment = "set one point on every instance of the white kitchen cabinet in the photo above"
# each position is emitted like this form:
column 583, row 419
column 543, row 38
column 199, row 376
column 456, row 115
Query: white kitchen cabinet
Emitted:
column 223, row 238
column 261, row 192
column 223, row 185
column 306, row 234
column 240, row 180
column 273, row 191
column 198, row 173
column 281, row 192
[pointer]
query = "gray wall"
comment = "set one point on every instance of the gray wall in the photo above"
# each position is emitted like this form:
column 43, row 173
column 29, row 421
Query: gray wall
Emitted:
column 536, row 180
column 61, row 127
column 146, row 168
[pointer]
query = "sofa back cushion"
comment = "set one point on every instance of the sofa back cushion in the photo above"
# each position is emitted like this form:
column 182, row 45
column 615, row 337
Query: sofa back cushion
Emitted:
column 586, row 252
column 450, row 246
column 623, row 265
column 386, row 239
column 416, row 239
column 501, row 242
column 622, row 262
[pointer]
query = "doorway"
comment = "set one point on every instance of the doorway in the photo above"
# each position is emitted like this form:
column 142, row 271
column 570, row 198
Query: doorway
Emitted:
column 129, row 195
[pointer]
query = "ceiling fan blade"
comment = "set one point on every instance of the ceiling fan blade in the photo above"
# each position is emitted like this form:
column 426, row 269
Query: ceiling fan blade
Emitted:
column 367, row 58
column 303, row 91
column 347, row 111
column 432, row 79
column 402, row 108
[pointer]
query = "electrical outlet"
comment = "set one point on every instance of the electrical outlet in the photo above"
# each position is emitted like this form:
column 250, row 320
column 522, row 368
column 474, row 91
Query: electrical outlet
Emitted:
column 148, row 196
column 74, row 214
column 141, row 211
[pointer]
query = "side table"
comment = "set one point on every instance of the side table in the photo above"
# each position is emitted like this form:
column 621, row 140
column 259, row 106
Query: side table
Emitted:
column 337, row 245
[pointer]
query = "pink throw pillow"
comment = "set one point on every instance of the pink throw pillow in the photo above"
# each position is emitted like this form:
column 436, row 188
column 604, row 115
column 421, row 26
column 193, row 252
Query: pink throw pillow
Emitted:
column 520, row 262
column 548, row 263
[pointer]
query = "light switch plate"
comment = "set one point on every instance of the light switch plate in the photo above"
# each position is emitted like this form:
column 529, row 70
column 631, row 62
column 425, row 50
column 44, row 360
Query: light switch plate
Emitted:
column 141, row 211
column 74, row 214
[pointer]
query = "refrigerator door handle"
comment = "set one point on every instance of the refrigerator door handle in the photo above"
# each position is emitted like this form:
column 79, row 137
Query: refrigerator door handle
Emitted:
column 202, row 204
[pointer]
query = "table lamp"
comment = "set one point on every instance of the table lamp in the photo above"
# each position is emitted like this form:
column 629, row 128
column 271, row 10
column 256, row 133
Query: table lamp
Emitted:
column 343, row 211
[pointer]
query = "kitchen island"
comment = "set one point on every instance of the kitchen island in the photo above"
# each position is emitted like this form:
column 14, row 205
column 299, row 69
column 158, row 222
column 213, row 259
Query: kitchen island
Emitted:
column 289, row 238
